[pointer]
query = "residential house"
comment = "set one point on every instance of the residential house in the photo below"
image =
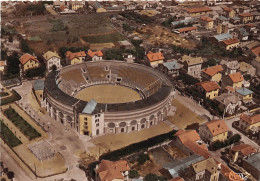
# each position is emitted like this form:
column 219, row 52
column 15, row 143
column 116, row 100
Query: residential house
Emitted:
column 249, row 124
column 190, row 143
column 229, row 44
column 247, row 69
column 28, row 62
column 59, row 5
column 52, row 61
column 256, row 64
column 222, row 28
column 37, row 89
column 212, row 131
column 230, row 67
column 97, row 6
column 222, row 19
column 74, row 58
column 246, row 17
column 207, row 22
column 213, row 73
column 174, row 167
column 256, row 16
column 112, row 171
column 192, row 65
column 219, row 38
column 235, row 20
column 251, row 28
column 155, row 58
column 209, row 89
column 206, row 169
column 95, row 56
column 186, row 29
column 125, row 44
column 241, row 151
column 199, row 11
column 234, row 80
column 75, row 5
column 228, row 103
column 229, row 12
column 245, row 94
column 171, row 68
column 252, row 165
column 242, row 34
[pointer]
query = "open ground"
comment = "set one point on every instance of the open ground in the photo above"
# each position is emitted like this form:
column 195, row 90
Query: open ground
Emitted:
column 108, row 94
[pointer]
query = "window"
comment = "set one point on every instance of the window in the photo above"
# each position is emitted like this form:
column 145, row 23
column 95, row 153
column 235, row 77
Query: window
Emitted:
column 97, row 125
column 98, row 115
column 97, row 120
column 85, row 118
column 85, row 123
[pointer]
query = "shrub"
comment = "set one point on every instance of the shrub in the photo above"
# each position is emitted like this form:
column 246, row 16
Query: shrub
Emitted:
column 133, row 174
column 220, row 144
column 14, row 97
column 153, row 177
column 7, row 135
column 35, row 72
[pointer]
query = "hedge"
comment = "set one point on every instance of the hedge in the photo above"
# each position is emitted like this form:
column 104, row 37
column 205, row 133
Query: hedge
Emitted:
column 8, row 136
column 14, row 97
column 21, row 124
column 221, row 144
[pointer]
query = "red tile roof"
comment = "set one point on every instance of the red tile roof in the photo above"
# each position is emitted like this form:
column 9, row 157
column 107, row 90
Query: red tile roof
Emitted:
column 230, row 41
column 198, row 9
column 209, row 85
column 206, row 18
column 26, row 57
column 236, row 77
column 189, row 138
column 245, row 14
column 97, row 53
column 109, row 170
column 227, row 9
column 217, row 127
column 256, row 51
column 245, row 149
column 71, row 55
column 250, row 119
column 154, row 56
column 211, row 71
column 251, row 25
column 187, row 29
column 231, row 89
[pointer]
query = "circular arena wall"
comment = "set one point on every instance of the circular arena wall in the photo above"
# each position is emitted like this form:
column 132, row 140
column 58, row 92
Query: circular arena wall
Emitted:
column 154, row 89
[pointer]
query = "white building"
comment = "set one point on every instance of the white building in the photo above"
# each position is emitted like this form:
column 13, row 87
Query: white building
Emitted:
column 52, row 61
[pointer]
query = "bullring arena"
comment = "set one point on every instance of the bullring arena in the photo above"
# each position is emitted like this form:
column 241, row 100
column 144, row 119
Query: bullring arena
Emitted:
column 102, row 97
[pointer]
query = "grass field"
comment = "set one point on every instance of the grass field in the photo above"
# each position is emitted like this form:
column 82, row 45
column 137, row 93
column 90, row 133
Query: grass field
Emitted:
column 103, row 38
column 20, row 123
column 8, row 136
column 184, row 116
column 115, row 141
column 108, row 94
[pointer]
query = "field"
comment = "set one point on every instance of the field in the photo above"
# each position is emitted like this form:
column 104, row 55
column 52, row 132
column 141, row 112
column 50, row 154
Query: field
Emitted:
column 103, row 38
column 110, row 142
column 184, row 116
column 25, row 127
column 160, row 35
column 59, row 31
column 108, row 94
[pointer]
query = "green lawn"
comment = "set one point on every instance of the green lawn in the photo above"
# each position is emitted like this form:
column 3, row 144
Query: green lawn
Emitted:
column 108, row 38
column 21, row 124
column 15, row 97
column 8, row 136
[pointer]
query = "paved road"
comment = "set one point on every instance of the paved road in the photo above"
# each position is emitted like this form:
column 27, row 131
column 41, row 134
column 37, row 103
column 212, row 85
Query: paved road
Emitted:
column 243, row 137
column 10, row 163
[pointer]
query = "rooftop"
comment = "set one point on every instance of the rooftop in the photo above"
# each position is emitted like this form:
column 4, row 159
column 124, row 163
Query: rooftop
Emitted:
column 38, row 84
column 90, row 107
column 256, row 51
column 26, row 57
column 209, row 86
column 245, row 14
column 244, row 91
column 250, row 119
column 230, row 41
column 222, row 37
column 207, row 164
column 174, row 65
column 244, row 67
column 154, row 56
column 236, row 77
column 223, row 18
column 192, row 60
column 227, row 98
column 245, row 149
column 71, row 55
column 217, row 127
column 254, row 161
column 206, row 18
column 50, row 54
column 211, row 71
column 198, row 9
column 97, row 53
column 181, row 30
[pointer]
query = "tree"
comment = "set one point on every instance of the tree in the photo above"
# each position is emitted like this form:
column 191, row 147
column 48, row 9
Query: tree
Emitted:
column 10, row 175
column 133, row 174
column 153, row 177
column 13, row 63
